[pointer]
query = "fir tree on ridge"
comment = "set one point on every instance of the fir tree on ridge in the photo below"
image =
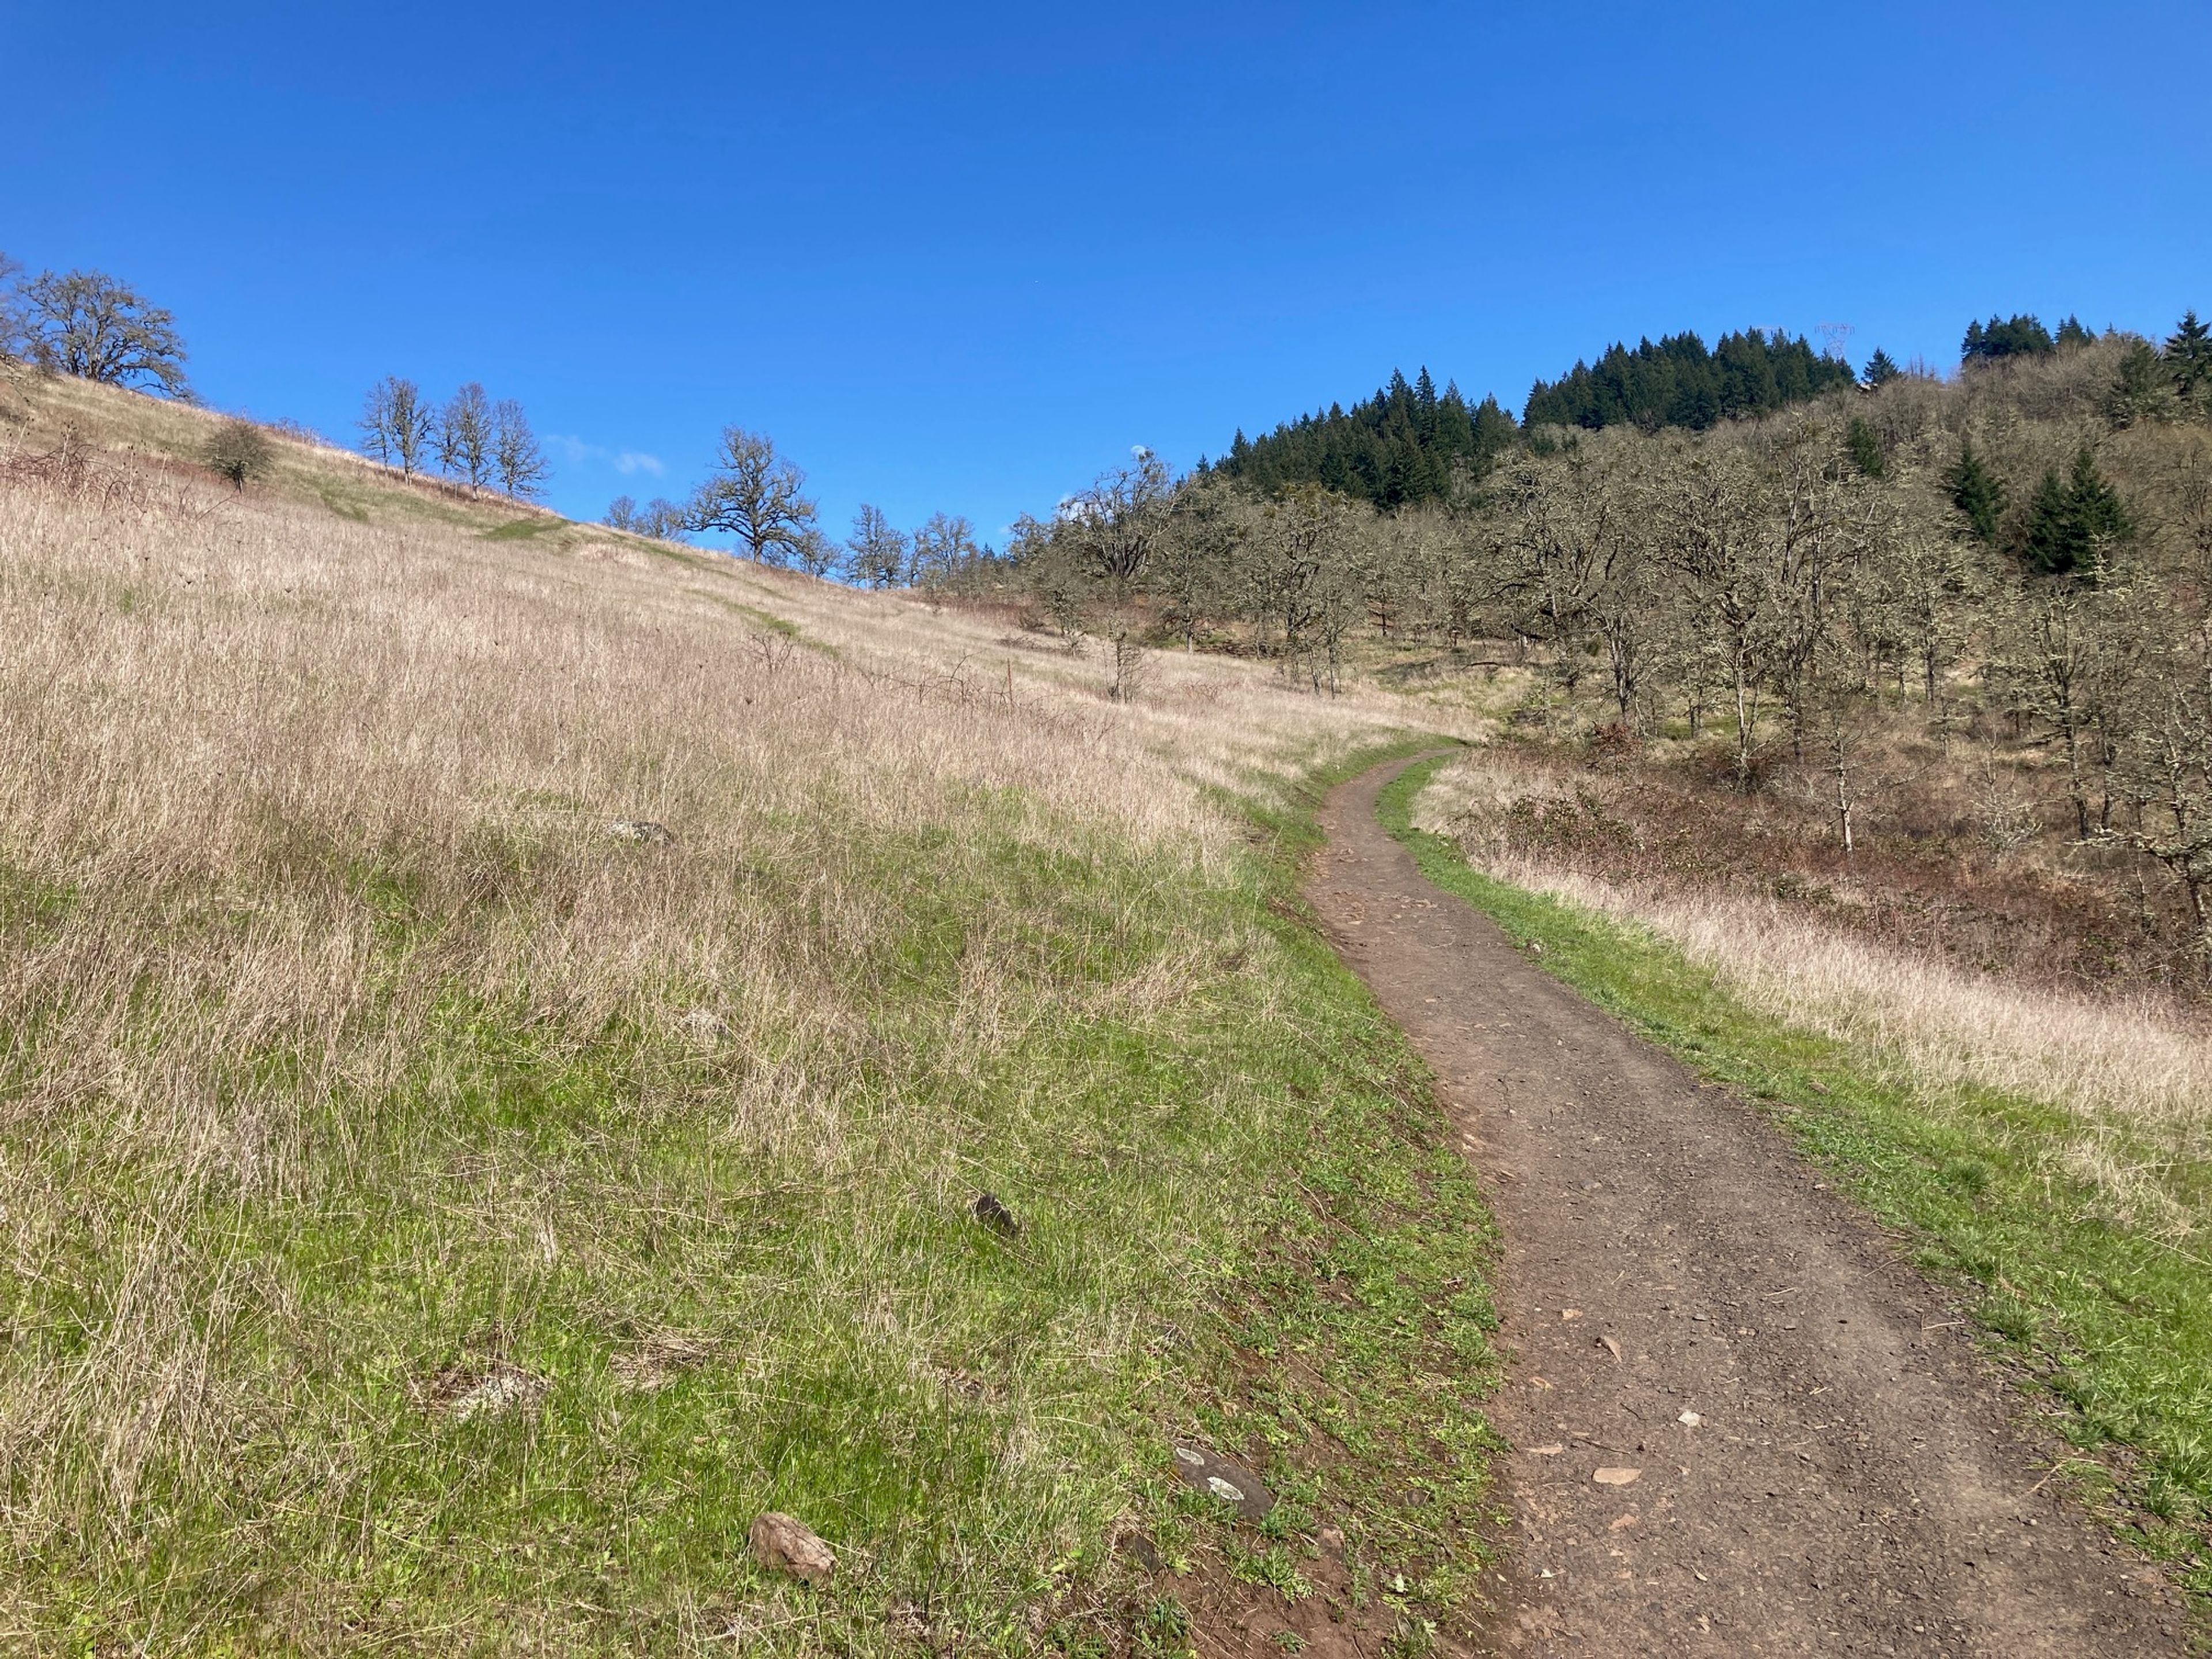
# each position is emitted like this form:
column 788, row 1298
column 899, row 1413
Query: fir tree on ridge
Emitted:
column 1976, row 491
column 2071, row 523
column 2188, row 356
column 1678, row 382
column 2020, row 335
column 1404, row 444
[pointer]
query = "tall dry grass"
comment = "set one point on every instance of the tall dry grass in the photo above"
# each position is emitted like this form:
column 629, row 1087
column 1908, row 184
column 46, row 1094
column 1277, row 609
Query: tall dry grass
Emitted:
column 2133, row 1065
column 306, row 871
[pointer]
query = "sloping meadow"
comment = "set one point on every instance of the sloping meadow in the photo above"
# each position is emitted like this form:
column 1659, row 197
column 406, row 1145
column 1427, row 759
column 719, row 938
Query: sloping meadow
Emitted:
column 433, row 1221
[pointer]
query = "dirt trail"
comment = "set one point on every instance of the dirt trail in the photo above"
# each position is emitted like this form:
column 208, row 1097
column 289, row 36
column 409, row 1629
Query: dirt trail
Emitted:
column 1857, row 1480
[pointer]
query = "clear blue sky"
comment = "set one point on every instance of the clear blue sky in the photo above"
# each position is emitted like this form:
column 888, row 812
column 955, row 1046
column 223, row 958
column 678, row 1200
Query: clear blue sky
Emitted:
column 964, row 256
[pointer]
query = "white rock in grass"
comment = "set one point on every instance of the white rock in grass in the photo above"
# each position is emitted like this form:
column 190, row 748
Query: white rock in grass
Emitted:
column 505, row 1390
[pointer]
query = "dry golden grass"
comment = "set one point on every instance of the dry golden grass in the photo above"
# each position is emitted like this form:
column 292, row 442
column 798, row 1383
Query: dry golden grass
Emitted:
column 2131, row 1064
column 307, row 891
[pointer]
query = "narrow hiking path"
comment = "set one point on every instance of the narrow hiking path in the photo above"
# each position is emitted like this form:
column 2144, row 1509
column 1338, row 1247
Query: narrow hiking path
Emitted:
column 1825, row 1466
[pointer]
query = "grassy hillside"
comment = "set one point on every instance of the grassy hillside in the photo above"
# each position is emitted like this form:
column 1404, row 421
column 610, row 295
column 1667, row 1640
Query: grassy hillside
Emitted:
column 434, row 1223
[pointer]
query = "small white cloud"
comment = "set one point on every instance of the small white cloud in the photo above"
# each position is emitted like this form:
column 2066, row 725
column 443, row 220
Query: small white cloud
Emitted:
column 627, row 462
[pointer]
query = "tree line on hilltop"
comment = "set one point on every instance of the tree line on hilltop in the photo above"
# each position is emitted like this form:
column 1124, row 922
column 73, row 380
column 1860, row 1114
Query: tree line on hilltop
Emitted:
column 758, row 496
column 1404, row 444
column 1410, row 443
column 94, row 326
column 469, row 438
column 2029, row 541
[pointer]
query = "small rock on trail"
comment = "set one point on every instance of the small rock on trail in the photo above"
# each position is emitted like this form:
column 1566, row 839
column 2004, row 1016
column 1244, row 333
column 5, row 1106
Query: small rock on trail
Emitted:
column 1226, row 1479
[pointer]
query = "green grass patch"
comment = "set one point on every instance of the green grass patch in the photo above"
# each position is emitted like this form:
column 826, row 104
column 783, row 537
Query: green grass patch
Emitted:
column 509, row 1352
column 523, row 530
column 768, row 622
column 2113, row 1323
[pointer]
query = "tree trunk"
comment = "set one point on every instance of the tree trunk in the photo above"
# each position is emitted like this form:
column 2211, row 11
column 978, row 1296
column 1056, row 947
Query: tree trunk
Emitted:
column 1743, row 718
column 1843, row 799
column 2073, row 788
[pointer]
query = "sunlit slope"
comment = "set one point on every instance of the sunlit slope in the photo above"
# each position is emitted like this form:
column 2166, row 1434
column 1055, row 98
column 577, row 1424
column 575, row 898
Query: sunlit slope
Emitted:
column 435, row 1223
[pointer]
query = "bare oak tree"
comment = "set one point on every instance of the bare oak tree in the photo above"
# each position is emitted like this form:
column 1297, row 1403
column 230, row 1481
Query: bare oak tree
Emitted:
column 1109, row 534
column 942, row 549
column 757, row 496
column 88, row 324
column 516, row 459
column 875, row 550
column 464, row 436
column 396, row 423
column 664, row 520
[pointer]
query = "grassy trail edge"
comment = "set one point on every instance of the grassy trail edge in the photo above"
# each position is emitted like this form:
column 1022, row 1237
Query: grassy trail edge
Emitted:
column 2108, row 1329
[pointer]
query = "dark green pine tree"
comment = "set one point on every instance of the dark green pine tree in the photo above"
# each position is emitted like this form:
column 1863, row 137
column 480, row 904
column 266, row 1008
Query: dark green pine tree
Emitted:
column 2051, row 544
column 2019, row 336
column 1494, row 432
column 2071, row 333
column 1455, row 438
column 1976, row 491
column 2070, row 525
column 2097, row 507
column 2141, row 388
column 2188, row 356
column 1881, row 369
column 1865, row 446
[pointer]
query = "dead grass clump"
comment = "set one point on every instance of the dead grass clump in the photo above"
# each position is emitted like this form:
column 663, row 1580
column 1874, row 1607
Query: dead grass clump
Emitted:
column 659, row 1360
column 464, row 1393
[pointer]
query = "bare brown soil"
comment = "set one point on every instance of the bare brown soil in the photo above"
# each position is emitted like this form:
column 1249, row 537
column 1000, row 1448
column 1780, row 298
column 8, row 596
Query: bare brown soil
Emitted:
column 1823, row 1464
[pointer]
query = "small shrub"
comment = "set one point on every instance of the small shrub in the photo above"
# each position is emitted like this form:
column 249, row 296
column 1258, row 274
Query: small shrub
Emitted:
column 240, row 451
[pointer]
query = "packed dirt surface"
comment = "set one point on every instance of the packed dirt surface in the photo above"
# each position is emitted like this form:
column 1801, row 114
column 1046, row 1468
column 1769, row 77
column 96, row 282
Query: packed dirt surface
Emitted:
column 1742, row 1424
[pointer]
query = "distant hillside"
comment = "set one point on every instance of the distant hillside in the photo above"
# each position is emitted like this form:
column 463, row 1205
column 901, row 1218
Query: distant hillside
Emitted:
column 1679, row 383
column 1401, row 445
